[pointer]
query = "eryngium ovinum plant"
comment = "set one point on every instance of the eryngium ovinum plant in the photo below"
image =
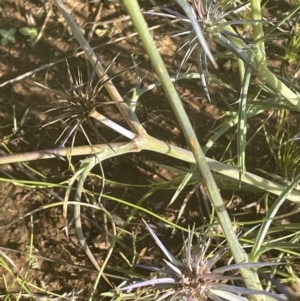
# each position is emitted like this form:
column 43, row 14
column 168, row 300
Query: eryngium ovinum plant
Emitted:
column 211, row 17
column 195, row 277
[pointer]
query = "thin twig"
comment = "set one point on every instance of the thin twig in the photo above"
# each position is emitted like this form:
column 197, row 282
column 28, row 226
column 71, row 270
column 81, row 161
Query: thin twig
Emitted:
column 49, row 13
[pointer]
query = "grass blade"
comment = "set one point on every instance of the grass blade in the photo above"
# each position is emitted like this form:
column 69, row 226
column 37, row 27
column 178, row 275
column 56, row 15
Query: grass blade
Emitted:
column 263, row 230
column 242, row 118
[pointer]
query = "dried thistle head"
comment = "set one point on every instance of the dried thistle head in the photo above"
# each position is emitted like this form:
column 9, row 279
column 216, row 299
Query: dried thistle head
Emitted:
column 193, row 278
column 210, row 17
column 76, row 105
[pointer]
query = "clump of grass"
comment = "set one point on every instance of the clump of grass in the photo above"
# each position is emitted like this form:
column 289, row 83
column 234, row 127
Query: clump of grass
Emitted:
column 285, row 149
column 292, row 54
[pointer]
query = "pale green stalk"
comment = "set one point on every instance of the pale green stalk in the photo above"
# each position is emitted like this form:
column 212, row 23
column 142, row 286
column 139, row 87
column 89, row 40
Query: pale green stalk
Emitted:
column 263, row 72
column 146, row 142
column 258, row 31
column 261, row 60
column 132, row 6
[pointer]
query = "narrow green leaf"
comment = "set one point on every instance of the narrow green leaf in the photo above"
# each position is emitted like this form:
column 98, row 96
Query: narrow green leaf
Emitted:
column 242, row 117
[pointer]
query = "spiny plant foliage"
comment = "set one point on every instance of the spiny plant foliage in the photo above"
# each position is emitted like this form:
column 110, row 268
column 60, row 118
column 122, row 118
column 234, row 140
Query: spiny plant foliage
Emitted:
column 195, row 277
column 211, row 19
column 77, row 103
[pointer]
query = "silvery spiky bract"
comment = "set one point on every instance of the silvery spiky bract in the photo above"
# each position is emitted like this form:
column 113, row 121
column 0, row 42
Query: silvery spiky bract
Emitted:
column 76, row 105
column 195, row 277
column 204, row 24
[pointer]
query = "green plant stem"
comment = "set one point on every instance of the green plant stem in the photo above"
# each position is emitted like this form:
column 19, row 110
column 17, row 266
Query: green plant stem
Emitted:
column 263, row 71
column 146, row 142
column 132, row 6
column 258, row 31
